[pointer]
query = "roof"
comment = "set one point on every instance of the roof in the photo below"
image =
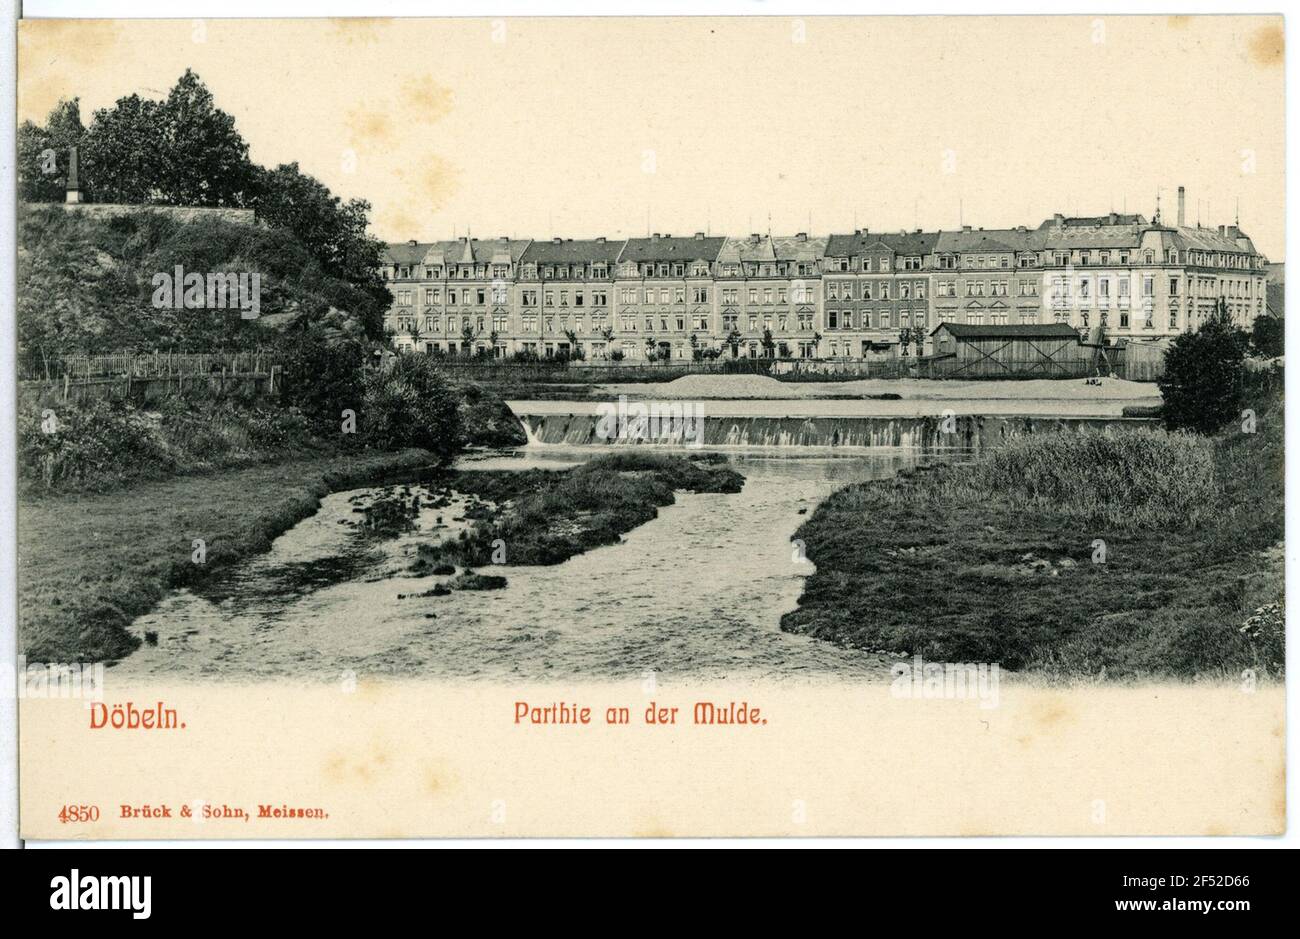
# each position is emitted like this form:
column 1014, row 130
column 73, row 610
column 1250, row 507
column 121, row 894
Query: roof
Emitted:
column 1125, row 232
column 995, row 241
column 904, row 243
column 1195, row 238
column 569, row 251
column 773, row 248
column 668, row 248
column 460, row 251
column 1015, row 331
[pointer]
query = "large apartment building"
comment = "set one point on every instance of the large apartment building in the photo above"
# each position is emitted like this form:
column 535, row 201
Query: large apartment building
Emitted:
column 856, row 295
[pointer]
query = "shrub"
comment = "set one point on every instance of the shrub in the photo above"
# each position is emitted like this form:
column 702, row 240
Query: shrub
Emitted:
column 1204, row 379
column 91, row 445
column 410, row 405
column 322, row 376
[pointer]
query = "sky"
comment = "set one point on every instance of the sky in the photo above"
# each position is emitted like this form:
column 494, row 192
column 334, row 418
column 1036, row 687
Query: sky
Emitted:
column 620, row 126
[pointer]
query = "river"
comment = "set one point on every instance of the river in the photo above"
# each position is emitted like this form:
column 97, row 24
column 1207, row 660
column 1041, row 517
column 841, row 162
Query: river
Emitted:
column 697, row 593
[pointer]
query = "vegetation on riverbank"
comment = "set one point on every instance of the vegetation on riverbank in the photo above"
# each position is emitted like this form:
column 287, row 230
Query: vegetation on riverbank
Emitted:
column 1139, row 555
column 88, row 564
column 546, row 517
column 101, row 445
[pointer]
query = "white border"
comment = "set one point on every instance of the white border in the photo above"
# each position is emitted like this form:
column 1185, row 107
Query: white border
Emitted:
column 184, row 9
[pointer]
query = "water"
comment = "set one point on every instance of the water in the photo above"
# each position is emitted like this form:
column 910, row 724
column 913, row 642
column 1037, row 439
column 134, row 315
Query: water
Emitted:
column 928, row 434
column 865, row 407
column 696, row 593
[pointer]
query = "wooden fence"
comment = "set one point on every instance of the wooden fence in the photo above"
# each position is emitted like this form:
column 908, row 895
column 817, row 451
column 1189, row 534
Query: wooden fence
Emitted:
column 149, row 378
column 143, row 365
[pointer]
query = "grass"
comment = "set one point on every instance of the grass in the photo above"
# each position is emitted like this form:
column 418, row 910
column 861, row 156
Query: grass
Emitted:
column 995, row 562
column 88, row 564
column 547, row 517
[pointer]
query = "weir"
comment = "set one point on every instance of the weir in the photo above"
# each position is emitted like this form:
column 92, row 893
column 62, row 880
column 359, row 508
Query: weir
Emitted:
column 931, row 433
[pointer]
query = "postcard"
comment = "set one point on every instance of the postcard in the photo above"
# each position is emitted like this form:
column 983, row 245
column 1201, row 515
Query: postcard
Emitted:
column 650, row 427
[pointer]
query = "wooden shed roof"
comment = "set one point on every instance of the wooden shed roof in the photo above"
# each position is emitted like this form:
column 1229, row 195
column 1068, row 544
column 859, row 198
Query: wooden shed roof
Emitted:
column 1016, row 331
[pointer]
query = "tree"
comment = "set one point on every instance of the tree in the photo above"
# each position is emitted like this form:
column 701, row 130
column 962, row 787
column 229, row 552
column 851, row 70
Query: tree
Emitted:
column 179, row 151
column 574, row 345
column 1204, row 379
column 769, row 344
column 183, row 150
column 43, row 153
column 334, row 231
column 467, row 336
column 733, row 340
column 1267, row 336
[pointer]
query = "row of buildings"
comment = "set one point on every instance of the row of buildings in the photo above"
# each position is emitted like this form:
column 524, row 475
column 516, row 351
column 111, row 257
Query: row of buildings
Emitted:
column 857, row 295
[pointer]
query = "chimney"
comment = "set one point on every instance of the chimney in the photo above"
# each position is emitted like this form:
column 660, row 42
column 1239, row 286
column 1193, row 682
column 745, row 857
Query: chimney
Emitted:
column 699, row 236
column 802, row 236
column 654, row 237
column 754, row 238
column 1182, row 207
column 600, row 240
column 965, row 228
column 1059, row 219
column 72, row 195
column 557, row 241
column 411, row 242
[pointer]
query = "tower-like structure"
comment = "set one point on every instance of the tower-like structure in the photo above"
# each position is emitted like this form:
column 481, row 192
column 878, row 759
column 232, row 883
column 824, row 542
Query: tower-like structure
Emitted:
column 73, row 193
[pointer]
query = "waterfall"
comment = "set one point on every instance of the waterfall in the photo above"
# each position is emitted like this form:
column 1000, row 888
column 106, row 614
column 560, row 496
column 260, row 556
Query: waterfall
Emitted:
column 971, row 432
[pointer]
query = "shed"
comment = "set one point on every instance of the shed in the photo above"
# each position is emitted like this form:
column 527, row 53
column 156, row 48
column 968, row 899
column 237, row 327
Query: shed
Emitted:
column 1047, row 350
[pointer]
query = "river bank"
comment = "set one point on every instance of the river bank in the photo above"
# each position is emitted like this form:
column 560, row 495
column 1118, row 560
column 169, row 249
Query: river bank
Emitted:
column 1152, row 559
column 88, row 564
